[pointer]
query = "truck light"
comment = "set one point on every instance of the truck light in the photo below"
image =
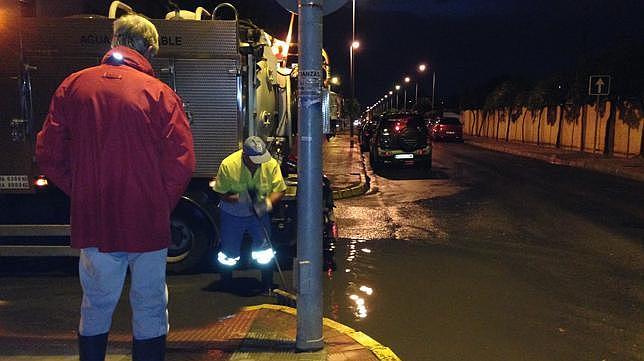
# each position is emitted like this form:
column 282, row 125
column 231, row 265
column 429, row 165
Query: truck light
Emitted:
column 41, row 181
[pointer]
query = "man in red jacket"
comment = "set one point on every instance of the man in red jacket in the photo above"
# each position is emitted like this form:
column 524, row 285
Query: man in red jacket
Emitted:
column 117, row 141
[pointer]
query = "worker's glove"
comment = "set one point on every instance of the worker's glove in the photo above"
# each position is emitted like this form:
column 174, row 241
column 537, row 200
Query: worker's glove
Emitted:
column 262, row 207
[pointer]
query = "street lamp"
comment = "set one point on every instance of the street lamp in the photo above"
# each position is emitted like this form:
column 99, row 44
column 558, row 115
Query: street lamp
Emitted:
column 397, row 87
column 421, row 70
column 334, row 81
column 354, row 45
column 407, row 80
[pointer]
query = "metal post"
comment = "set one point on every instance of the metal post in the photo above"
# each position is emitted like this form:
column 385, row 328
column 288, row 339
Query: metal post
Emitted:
column 309, row 198
column 251, row 97
column 416, row 93
column 405, row 105
column 596, row 124
column 397, row 102
column 352, row 94
column 433, row 88
column 353, row 86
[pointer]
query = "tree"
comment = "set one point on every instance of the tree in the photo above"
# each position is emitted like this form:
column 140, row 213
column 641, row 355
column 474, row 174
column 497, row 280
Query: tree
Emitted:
column 352, row 108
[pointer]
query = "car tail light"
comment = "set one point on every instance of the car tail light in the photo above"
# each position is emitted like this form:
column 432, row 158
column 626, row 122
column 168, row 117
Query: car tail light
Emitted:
column 400, row 125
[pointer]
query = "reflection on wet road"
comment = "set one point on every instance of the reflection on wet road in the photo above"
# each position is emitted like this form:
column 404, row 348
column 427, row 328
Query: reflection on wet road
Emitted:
column 491, row 257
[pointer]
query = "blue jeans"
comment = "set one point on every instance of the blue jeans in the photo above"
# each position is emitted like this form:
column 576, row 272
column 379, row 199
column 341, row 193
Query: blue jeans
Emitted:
column 232, row 232
column 102, row 276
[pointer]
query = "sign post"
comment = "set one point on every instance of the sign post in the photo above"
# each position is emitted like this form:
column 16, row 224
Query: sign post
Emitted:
column 309, row 171
column 598, row 85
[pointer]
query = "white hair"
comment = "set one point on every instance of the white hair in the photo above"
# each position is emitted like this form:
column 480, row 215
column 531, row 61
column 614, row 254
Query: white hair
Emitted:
column 135, row 32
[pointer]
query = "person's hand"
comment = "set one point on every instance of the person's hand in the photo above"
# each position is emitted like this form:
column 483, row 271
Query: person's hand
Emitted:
column 262, row 207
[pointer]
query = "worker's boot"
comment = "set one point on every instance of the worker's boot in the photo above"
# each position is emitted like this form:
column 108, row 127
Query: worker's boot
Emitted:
column 152, row 349
column 267, row 280
column 225, row 279
column 92, row 348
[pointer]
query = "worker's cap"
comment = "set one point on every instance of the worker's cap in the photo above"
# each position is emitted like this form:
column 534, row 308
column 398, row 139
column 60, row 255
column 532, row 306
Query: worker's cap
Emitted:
column 255, row 149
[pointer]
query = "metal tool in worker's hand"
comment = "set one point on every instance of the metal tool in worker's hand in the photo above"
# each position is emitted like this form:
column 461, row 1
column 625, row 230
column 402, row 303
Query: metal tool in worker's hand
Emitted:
column 267, row 238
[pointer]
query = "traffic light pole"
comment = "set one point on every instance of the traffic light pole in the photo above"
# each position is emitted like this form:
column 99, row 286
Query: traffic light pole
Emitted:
column 309, row 194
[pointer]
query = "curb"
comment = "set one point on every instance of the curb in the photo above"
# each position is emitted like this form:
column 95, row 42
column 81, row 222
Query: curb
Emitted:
column 352, row 191
column 554, row 159
column 383, row 353
column 356, row 190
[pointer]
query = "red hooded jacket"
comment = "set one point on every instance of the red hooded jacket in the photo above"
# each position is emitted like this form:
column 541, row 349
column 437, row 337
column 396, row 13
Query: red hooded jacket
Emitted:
column 117, row 141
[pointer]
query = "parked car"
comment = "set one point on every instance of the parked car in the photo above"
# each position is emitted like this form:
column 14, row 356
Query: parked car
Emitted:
column 366, row 132
column 447, row 128
column 401, row 139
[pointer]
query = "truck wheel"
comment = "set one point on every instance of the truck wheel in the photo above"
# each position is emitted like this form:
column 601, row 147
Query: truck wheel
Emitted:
column 191, row 231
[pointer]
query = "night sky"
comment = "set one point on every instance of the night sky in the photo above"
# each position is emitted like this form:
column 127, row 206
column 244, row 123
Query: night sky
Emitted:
column 466, row 42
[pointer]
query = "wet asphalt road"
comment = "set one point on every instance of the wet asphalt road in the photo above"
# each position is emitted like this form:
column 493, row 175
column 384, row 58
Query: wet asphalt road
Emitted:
column 487, row 257
column 494, row 257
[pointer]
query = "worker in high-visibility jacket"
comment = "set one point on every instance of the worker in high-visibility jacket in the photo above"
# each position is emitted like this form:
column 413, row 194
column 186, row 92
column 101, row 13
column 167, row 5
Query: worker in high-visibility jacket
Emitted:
column 250, row 183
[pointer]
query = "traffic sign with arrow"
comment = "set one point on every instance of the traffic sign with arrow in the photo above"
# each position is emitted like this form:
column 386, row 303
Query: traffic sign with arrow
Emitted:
column 599, row 85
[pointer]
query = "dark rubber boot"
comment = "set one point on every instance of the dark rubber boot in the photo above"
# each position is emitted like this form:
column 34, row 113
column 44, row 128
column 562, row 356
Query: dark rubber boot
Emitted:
column 226, row 279
column 92, row 348
column 267, row 280
column 152, row 349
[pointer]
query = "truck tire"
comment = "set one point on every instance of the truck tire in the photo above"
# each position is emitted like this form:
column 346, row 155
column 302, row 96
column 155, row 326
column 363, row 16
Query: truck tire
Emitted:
column 192, row 234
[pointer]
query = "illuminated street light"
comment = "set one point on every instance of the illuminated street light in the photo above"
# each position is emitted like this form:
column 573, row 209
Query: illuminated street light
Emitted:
column 407, row 80
column 354, row 45
column 397, row 87
column 421, row 69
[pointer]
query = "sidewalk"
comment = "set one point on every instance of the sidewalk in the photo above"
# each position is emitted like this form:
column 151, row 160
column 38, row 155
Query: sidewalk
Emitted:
column 258, row 333
column 631, row 168
column 344, row 166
